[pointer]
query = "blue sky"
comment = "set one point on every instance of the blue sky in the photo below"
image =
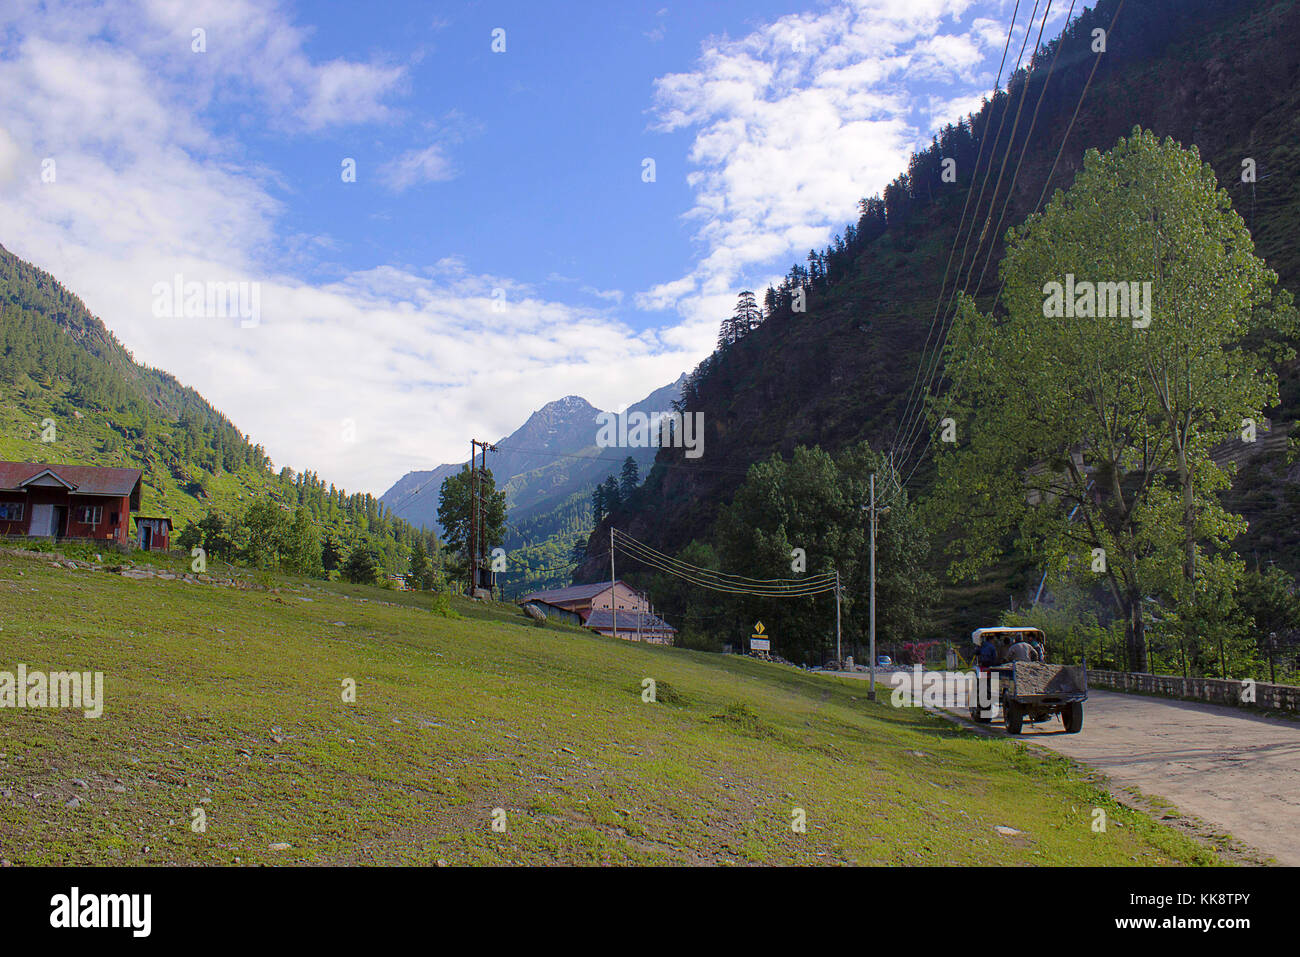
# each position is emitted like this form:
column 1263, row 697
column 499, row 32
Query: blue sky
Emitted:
column 499, row 248
column 545, row 142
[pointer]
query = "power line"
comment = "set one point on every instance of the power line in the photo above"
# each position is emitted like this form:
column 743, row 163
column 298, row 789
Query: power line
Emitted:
column 1096, row 63
column 1006, row 203
column 929, row 437
column 997, row 84
column 410, row 496
column 740, row 579
column 713, row 586
column 737, row 579
column 738, row 586
column 932, row 365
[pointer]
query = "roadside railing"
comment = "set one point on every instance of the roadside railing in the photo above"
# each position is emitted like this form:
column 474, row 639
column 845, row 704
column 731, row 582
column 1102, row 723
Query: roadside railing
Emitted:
column 1243, row 693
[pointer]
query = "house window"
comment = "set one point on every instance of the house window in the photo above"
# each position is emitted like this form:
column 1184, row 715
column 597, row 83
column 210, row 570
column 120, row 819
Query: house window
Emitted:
column 11, row 511
column 89, row 514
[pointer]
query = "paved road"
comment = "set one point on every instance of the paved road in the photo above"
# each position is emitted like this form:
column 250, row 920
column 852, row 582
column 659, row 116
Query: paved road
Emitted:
column 1223, row 765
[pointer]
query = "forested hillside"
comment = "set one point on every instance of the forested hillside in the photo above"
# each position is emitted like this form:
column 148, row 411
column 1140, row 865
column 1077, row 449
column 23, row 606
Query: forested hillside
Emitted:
column 1220, row 75
column 71, row 393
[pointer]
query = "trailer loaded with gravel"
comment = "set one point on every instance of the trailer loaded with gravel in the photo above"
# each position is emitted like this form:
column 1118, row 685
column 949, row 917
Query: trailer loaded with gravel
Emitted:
column 1034, row 691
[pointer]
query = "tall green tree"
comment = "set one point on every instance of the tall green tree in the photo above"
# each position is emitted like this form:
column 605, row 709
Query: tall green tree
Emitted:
column 362, row 565
column 455, row 511
column 264, row 530
column 421, row 574
column 1138, row 333
column 1270, row 599
column 332, row 553
column 746, row 318
column 301, row 552
column 818, row 504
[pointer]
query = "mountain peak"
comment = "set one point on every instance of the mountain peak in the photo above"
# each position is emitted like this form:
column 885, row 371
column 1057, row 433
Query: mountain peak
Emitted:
column 568, row 405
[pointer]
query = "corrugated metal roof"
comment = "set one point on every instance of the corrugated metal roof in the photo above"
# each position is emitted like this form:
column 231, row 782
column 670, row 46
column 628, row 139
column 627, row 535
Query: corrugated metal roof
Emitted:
column 603, row 619
column 573, row 593
column 85, row 479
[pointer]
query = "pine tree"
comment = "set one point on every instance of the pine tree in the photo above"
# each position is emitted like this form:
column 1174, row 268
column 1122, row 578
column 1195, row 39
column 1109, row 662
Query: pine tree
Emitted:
column 747, row 316
column 421, row 569
column 611, row 496
column 629, row 479
column 361, row 568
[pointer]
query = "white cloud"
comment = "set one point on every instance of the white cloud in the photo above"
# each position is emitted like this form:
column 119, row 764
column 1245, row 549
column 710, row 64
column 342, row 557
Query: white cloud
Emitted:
column 417, row 167
column 416, row 357
column 610, row 295
column 798, row 120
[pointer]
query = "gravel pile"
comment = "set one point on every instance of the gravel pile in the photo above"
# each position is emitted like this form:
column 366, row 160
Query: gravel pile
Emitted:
column 1033, row 677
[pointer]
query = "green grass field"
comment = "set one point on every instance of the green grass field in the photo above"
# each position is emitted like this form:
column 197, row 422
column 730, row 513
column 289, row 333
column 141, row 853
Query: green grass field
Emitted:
column 230, row 701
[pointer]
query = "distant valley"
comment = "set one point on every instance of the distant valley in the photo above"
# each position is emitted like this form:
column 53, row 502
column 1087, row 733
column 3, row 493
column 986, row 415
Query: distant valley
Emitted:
column 548, row 468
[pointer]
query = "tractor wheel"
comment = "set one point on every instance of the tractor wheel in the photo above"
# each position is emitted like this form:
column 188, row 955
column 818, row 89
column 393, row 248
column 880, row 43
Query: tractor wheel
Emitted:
column 1015, row 717
column 977, row 715
column 1072, row 716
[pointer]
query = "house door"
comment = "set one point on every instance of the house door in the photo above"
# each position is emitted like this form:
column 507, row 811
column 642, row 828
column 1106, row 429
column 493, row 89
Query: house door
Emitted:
column 146, row 537
column 42, row 521
column 60, row 524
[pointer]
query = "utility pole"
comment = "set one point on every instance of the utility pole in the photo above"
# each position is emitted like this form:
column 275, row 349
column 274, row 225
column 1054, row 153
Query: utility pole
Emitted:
column 839, row 659
column 473, row 516
column 871, row 619
column 477, row 519
column 871, row 631
column 613, row 597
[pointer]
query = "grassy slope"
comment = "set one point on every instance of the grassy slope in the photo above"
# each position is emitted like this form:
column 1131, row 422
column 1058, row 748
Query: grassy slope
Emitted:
column 457, row 717
column 82, row 442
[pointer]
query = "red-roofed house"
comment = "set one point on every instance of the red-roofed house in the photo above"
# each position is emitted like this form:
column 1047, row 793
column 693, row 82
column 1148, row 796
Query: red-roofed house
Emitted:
column 42, row 500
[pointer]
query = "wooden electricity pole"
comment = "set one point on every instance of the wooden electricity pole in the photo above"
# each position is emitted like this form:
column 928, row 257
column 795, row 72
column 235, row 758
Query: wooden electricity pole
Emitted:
column 839, row 660
column 876, row 512
column 473, row 516
column 477, row 517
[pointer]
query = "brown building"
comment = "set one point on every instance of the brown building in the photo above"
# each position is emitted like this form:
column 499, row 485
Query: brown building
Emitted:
column 153, row 534
column 594, row 606
column 42, row 500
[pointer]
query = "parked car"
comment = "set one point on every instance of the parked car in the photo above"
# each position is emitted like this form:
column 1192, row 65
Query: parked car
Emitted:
column 884, row 661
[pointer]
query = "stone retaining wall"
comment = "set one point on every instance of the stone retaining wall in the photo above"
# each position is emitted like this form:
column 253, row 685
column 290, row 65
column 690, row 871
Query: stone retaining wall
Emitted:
column 1215, row 690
